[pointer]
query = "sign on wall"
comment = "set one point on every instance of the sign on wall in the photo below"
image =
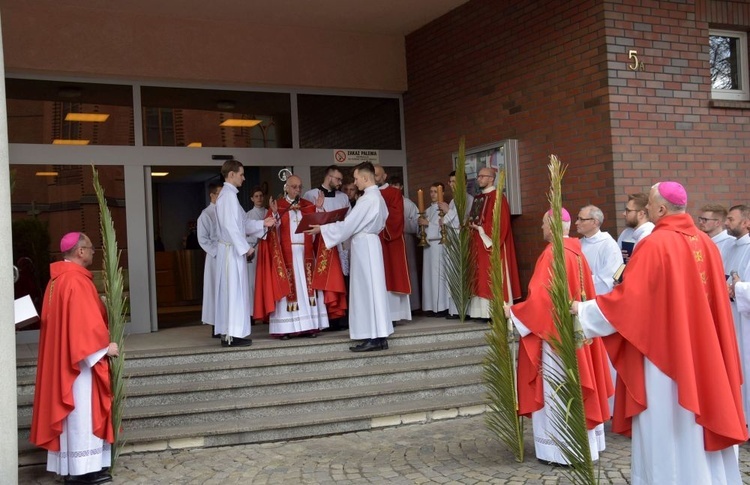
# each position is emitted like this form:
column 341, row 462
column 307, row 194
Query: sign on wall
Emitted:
column 353, row 157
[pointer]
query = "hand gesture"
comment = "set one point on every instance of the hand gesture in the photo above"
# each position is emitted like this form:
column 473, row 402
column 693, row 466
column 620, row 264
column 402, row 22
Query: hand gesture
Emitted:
column 269, row 222
column 422, row 221
column 443, row 206
column 249, row 253
column 320, row 200
column 272, row 205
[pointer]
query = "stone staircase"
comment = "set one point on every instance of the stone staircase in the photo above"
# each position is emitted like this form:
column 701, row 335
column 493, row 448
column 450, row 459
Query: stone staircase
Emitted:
column 206, row 395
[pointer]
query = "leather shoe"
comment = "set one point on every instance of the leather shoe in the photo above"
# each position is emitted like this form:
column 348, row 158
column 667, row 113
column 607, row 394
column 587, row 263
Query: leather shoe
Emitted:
column 89, row 478
column 361, row 344
column 452, row 317
column 369, row 346
column 383, row 343
column 237, row 342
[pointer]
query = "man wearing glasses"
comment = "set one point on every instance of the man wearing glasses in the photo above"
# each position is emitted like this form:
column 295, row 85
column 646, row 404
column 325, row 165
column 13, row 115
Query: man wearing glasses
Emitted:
column 601, row 250
column 637, row 222
column 72, row 401
column 711, row 221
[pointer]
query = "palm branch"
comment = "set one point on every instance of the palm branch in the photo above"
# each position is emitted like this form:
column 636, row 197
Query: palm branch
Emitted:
column 567, row 416
column 459, row 261
column 115, row 303
column 499, row 364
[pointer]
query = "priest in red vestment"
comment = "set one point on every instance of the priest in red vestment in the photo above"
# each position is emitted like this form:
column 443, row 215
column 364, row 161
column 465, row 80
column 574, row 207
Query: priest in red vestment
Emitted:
column 73, row 398
column 534, row 320
column 481, row 219
column 669, row 333
column 394, row 249
column 292, row 288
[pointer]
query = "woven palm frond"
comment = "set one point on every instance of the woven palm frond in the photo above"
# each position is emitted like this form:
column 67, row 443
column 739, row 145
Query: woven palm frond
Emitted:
column 567, row 418
column 116, row 310
column 500, row 362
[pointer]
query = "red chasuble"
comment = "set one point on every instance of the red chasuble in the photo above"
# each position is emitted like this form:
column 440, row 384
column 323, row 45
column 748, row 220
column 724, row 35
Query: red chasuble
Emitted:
column 482, row 212
column 392, row 240
column 536, row 313
column 673, row 308
column 73, row 326
column 274, row 277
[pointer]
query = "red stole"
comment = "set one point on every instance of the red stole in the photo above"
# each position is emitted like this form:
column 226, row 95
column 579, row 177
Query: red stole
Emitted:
column 392, row 240
column 483, row 213
column 73, row 326
column 274, row 277
column 673, row 308
column 535, row 312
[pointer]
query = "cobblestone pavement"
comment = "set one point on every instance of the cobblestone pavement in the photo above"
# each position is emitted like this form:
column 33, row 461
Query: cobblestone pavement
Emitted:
column 453, row 451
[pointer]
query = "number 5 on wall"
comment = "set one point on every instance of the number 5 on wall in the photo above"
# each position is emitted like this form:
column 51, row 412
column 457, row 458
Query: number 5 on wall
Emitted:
column 637, row 65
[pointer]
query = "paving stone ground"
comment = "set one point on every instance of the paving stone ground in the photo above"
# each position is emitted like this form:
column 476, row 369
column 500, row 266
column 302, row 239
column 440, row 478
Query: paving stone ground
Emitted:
column 457, row 451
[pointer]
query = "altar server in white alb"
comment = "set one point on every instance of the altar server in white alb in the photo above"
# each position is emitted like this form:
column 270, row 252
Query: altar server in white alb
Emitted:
column 668, row 330
column 369, row 314
column 208, row 238
column 232, row 292
column 257, row 213
column 601, row 250
column 434, row 285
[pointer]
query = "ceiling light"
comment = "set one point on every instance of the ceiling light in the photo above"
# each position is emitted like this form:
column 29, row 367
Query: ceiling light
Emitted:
column 59, row 141
column 235, row 123
column 46, row 174
column 87, row 117
column 159, row 174
column 195, row 144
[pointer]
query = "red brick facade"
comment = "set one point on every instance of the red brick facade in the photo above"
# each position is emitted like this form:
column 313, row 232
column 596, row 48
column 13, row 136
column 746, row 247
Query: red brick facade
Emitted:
column 554, row 75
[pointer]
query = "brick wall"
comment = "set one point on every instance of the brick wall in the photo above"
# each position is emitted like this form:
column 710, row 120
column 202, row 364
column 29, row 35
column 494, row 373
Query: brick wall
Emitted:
column 554, row 75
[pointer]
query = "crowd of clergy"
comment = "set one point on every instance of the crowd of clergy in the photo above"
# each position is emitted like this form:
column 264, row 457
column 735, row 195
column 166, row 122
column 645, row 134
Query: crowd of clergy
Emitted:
column 663, row 306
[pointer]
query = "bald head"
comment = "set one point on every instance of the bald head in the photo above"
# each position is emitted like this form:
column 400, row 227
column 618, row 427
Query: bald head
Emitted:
column 380, row 175
column 485, row 177
column 293, row 186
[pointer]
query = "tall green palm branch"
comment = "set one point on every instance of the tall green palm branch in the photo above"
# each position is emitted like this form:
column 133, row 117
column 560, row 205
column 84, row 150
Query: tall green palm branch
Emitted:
column 116, row 310
column 459, row 262
column 500, row 362
column 566, row 407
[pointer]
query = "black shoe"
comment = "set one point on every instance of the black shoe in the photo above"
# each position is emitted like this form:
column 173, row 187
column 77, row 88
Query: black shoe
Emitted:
column 452, row 317
column 214, row 335
column 286, row 336
column 361, row 344
column 236, row 342
column 441, row 314
column 383, row 343
column 482, row 320
column 89, row 478
column 311, row 335
column 372, row 344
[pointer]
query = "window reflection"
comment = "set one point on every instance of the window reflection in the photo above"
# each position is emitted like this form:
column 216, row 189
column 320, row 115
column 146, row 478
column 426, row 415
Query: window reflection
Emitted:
column 48, row 201
column 181, row 117
column 349, row 122
column 37, row 112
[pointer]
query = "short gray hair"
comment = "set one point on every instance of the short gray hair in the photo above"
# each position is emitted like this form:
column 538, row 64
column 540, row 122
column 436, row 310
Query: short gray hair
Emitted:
column 595, row 213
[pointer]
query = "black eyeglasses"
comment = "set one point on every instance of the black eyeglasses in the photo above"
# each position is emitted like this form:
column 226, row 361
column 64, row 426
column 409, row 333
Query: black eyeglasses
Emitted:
column 582, row 219
column 706, row 219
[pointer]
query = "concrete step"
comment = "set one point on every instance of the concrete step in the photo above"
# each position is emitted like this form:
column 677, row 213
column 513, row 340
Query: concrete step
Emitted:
column 323, row 362
column 210, row 350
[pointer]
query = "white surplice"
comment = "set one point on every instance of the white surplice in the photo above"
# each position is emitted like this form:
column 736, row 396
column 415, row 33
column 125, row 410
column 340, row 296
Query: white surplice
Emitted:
column 723, row 240
column 667, row 443
column 254, row 214
column 208, row 238
column 434, row 284
column 369, row 314
column 81, row 451
column 411, row 216
column 604, row 257
column 232, row 292
column 308, row 316
column 541, row 421
column 736, row 256
column 741, row 315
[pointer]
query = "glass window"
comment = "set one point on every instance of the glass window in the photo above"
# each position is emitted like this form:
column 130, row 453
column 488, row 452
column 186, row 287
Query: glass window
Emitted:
column 62, row 112
column 729, row 71
column 48, row 201
column 215, row 118
column 349, row 122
